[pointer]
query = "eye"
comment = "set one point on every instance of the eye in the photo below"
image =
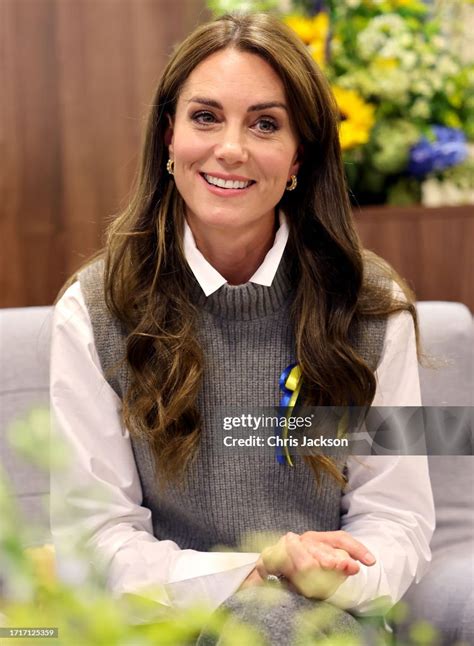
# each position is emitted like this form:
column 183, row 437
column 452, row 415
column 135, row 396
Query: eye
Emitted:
column 203, row 117
column 266, row 125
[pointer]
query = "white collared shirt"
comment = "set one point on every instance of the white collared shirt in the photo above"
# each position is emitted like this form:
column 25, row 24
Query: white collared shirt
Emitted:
column 388, row 504
column 211, row 280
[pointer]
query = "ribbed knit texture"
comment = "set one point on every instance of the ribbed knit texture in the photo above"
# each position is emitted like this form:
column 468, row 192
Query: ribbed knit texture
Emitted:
column 247, row 339
column 285, row 618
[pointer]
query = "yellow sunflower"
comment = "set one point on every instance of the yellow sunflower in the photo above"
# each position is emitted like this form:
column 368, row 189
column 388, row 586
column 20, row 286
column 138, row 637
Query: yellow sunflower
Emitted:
column 357, row 118
column 313, row 32
column 317, row 49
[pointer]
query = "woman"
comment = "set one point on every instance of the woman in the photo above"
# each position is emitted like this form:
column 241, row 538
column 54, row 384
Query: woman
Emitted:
column 236, row 258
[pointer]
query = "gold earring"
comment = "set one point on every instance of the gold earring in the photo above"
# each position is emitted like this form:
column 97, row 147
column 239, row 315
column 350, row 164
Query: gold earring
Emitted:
column 293, row 182
column 170, row 166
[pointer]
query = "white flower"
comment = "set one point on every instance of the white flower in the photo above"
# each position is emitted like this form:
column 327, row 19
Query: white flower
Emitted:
column 436, row 82
column 431, row 193
column 422, row 87
column 452, row 194
column 384, row 36
column 391, row 49
column 408, row 60
column 444, row 193
column 429, row 59
column 406, row 40
column 393, row 86
column 446, row 66
column 420, row 109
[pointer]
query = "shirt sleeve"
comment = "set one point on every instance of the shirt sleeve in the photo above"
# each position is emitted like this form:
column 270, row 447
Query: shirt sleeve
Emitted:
column 96, row 499
column 388, row 504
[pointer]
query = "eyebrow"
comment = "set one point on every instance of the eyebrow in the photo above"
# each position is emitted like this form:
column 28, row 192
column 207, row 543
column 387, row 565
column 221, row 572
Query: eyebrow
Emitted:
column 253, row 108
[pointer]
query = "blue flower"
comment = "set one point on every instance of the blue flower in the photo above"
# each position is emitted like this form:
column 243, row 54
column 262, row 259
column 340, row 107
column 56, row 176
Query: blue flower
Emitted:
column 448, row 149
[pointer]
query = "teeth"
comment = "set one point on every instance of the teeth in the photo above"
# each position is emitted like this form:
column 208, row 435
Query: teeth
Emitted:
column 222, row 183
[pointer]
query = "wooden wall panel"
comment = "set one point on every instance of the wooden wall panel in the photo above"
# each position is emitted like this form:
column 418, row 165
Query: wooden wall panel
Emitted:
column 431, row 248
column 77, row 79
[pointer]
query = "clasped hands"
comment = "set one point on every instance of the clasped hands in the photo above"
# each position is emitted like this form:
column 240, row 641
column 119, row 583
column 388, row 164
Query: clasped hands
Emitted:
column 314, row 564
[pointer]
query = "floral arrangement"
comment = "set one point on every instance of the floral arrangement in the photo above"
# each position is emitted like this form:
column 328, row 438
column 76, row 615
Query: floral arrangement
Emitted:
column 405, row 96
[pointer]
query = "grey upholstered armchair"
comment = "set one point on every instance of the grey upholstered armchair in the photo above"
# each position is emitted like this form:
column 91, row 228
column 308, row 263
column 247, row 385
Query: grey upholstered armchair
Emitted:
column 444, row 597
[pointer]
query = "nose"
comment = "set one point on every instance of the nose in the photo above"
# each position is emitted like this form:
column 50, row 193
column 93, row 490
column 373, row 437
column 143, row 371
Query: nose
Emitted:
column 231, row 149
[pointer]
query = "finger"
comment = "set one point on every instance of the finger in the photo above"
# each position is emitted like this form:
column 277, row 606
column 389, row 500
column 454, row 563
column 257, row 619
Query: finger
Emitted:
column 333, row 558
column 353, row 547
column 275, row 559
column 349, row 568
column 346, row 542
column 300, row 557
column 261, row 569
column 323, row 554
column 345, row 564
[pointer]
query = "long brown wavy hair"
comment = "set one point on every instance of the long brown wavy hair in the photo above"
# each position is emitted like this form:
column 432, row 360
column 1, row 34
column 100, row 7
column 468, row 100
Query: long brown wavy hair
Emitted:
column 146, row 275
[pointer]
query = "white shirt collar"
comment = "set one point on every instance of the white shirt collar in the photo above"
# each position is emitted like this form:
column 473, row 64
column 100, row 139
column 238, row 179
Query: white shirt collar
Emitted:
column 211, row 280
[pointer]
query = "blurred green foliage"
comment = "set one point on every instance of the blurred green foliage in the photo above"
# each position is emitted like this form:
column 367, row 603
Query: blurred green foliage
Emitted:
column 87, row 614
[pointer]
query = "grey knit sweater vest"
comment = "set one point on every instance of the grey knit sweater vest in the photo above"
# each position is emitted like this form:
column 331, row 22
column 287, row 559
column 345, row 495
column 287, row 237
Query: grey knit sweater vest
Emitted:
column 229, row 495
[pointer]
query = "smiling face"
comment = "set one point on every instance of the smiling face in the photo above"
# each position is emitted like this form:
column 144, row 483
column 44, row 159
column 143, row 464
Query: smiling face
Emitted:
column 232, row 142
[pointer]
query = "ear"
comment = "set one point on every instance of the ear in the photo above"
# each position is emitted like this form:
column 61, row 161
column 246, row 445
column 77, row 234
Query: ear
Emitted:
column 297, row 160
column 169, row 133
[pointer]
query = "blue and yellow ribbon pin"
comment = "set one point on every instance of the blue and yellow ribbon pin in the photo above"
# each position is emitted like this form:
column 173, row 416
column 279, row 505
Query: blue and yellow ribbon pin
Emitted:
column 290, row 383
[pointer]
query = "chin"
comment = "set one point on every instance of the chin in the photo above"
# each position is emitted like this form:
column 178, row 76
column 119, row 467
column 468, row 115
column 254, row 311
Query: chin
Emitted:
column 220, row 219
